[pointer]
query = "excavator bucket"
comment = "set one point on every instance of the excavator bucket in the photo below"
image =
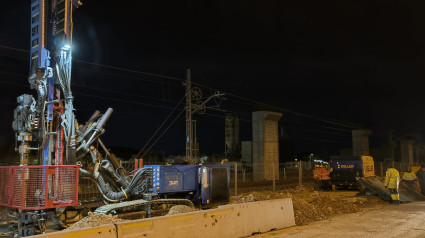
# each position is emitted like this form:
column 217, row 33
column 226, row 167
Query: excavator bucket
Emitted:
column 375, row 186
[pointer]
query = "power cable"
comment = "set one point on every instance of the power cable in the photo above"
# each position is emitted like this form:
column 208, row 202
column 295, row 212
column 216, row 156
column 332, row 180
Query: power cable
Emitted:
column 123, row 100
column 12, row 48
column 130, row 70
column 344, row 124
column 124, row 76
column 93, row 96
column 315, row 131
column 124, row 93
column 98, row 89
column 127, row 101
column 321, row 140
column 321, row 126
column 162, row 124
column 163, row 133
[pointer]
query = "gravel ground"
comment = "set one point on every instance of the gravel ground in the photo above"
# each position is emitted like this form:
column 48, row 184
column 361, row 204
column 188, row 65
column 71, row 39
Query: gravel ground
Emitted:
column 385, row 221
column 93, row 220
column 178, row 209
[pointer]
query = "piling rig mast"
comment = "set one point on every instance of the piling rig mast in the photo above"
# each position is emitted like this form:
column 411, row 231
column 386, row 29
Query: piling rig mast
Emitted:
column 49, row 139
column 45, row 132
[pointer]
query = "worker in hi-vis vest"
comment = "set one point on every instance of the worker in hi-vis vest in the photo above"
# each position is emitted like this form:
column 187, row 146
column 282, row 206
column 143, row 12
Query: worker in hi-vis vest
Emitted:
column 409, row 178
column 392, row 180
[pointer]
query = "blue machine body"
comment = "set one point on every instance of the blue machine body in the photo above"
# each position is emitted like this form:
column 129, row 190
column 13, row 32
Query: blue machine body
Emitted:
column 345, row 170
column 204, row 183
column 173, row 178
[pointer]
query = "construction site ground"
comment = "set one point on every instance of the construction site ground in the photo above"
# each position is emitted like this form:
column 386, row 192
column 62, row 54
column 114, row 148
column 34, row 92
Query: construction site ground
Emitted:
column 383, row 221
column 317, row 210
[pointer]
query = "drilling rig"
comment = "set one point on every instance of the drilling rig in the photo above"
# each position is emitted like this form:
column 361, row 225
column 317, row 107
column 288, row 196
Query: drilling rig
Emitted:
column 65, row 169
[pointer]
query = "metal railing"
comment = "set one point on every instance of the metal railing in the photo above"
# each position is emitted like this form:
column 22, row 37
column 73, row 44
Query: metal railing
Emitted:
column 39, row 187
column 248, row 177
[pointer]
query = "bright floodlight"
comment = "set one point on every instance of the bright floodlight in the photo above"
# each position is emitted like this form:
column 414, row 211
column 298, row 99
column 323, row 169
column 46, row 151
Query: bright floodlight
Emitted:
column 66, row 47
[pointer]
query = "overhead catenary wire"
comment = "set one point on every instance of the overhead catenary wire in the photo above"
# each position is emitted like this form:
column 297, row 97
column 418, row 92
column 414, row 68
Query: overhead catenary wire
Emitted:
column 94, row 96
column 175, row 119
column 321, row 140
column 125, row 93
column 152, row 105
column 345, row 124
column 295, row 128
column 129, row 101
column 92, row 88
column 123, row 100
column 13, row 48
column 162, row 124
column 242, row 99
column 130, row 77
column 335, row 122
column 130, row 70
column 209, row 114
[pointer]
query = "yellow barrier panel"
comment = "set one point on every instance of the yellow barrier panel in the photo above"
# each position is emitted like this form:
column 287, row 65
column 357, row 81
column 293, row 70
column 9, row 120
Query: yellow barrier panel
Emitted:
column 105, row 231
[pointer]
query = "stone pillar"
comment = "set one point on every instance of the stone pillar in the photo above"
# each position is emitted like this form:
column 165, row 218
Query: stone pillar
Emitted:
column 265, row 145
column 246, row 151
column 360, row 142
column 231, row 132
column 406, row 147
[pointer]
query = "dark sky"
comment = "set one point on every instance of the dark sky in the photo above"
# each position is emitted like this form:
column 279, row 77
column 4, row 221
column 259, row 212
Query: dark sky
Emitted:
column 357, row 62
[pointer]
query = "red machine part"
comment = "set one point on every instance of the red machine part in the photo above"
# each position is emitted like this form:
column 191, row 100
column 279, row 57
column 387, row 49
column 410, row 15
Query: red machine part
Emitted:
column 39, row 187
column 59, row 142
column 138, row 164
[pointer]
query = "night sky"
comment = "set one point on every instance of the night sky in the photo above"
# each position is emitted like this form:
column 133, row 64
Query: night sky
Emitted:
column 328, row 66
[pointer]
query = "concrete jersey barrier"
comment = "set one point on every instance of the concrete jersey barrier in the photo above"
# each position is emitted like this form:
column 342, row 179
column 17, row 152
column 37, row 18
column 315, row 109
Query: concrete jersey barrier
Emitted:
column 104, row 231
column 235, row 220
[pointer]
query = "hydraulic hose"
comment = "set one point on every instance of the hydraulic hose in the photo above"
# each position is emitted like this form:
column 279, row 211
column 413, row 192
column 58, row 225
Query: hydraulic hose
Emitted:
column 139, row 180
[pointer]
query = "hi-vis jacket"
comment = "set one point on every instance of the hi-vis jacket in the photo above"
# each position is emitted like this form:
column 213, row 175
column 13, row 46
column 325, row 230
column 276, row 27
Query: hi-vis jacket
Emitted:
column 392, row 178
column 321, row 174
column 409, row 176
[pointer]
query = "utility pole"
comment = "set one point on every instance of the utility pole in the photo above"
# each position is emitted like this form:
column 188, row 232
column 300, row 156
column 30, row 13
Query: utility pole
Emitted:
column 194, row 107
column 189, row 124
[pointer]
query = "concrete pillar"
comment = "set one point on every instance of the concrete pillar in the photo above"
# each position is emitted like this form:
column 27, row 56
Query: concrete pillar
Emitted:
column 406, row 147
column 360, row 142
column 231, row 132
column 246, row 151
column 265, row 145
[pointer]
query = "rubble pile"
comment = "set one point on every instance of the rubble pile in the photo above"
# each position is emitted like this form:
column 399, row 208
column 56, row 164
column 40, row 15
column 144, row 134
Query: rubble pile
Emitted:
column 311, row 205
column 93, row 220
column 178, row 209
column 257, row 196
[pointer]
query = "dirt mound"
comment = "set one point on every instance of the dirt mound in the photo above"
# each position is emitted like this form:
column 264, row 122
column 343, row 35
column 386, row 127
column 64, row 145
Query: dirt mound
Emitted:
column 256, row 196
column 178, row 209
column 93, row 220
column 311, row 205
